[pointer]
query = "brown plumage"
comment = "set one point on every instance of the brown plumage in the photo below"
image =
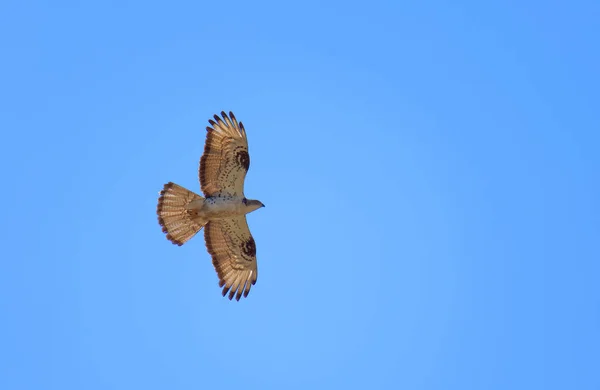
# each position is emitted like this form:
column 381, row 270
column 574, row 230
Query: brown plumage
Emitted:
column 225, row 160
column 179, row 223
column 227, row 241
column 222, row 212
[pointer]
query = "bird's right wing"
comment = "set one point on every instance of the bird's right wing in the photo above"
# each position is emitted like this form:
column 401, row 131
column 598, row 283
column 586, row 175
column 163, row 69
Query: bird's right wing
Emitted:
column 225, row 161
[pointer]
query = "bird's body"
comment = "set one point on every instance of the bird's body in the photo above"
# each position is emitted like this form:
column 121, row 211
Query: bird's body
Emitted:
column 222, row 211
column 219, row 207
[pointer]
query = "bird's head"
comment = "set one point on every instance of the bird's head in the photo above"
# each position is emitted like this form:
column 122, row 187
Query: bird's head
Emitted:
column 252, row 204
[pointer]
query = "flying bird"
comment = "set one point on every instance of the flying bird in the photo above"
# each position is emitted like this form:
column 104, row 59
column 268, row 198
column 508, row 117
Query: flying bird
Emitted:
column 222, row 211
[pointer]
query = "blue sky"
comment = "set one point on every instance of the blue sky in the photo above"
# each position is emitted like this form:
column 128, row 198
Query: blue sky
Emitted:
column 430, row 171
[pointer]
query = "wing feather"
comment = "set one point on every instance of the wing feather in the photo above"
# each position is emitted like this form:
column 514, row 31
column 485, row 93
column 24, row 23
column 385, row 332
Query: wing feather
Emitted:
column 233, row 253
column 225, row 161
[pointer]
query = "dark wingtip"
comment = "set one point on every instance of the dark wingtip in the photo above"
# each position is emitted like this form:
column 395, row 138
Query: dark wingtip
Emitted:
column 174, row 241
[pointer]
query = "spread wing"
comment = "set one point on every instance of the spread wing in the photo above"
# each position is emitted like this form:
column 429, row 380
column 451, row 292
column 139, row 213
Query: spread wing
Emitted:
column 225, row 161
column 233, row 252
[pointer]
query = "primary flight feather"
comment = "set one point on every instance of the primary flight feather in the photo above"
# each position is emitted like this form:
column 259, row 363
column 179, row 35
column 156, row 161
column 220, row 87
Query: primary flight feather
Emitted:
column 222, row 211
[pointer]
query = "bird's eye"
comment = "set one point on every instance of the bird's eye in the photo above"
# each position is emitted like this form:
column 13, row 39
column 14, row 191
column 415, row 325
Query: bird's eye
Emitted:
column 245, row 201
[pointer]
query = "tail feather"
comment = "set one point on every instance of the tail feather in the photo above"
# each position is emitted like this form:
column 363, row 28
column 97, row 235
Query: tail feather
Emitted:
column 177, row 212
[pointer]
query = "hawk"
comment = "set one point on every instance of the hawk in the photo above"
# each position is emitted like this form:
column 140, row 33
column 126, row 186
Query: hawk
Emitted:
column 222, row 211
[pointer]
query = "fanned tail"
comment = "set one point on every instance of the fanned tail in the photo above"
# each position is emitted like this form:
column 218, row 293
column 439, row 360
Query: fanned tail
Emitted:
column 178, row 213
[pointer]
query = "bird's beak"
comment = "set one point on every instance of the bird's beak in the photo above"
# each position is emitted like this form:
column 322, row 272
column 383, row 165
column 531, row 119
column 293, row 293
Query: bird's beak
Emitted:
column 263, row 205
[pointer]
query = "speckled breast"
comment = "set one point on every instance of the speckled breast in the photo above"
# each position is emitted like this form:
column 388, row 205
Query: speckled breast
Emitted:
column 222, row 207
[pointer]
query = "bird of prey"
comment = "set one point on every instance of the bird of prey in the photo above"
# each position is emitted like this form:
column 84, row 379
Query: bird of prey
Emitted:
column 222, row 211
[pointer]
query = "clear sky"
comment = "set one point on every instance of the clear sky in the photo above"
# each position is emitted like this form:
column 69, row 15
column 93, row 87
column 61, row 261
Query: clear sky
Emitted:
column 430, row 175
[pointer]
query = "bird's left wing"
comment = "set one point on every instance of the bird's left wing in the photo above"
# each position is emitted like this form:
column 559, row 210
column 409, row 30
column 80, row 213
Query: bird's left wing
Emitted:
column 233, row 252
column 225, row 161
